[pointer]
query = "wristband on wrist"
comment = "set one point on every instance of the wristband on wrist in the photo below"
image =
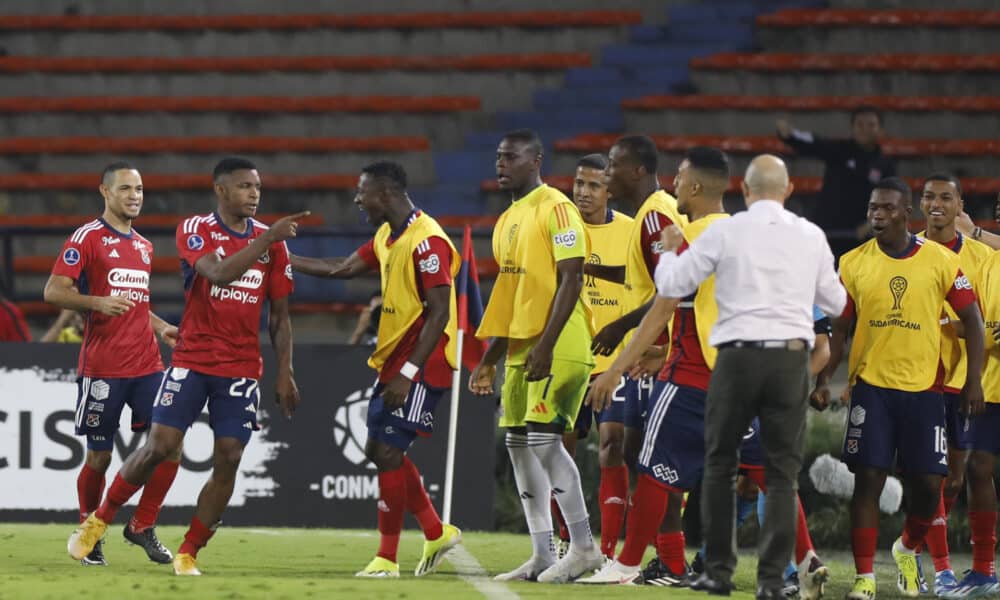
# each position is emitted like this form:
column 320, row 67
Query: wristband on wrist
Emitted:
column 977, row 233
column 409, row 370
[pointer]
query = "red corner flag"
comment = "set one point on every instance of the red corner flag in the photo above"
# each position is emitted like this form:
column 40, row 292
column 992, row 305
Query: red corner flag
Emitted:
column 470, row 304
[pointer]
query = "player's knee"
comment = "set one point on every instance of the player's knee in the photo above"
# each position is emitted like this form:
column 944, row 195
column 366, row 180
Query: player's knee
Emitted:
column 176, row 454
column 953, row 484
column 980, row 467
column 99, row 460
column 227, row 457
column 868, row 482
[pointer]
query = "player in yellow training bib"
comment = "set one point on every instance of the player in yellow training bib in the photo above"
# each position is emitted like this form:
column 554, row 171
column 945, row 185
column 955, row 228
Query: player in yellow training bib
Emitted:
column 536, row 315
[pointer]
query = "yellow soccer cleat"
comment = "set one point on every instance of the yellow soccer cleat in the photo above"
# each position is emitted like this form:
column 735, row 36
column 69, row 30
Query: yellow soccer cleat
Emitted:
column 84, row 538
column 434, row 550
column 379, row 567
column 185, row 564
column 864, row 589
column 909, row 574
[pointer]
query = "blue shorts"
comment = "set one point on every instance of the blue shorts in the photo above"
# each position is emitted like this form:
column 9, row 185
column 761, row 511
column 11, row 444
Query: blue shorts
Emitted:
column 232, row 402
column 673, row 440
column 956, row 424
column 887, row 427
column 751, row 453
column 400, row 427
column 637, row 397
column 99, row 404
column 984, row 430
column 615, row 413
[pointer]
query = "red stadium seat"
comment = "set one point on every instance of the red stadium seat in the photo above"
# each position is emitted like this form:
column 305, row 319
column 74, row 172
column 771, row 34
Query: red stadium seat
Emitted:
column 209, row 145
column 814, row 103
column 245, row 104
column 260, row 64
column 465, row 20
column 315, row 308
column 808, row 17
column 162, row 183
column 62, row 221
column 934, row 63
column 600, row 142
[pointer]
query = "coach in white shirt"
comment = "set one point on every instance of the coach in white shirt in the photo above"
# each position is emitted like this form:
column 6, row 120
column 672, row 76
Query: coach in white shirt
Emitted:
column 771, row 266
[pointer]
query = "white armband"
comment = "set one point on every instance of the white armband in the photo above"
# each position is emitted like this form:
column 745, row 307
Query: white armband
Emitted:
column 409, row 370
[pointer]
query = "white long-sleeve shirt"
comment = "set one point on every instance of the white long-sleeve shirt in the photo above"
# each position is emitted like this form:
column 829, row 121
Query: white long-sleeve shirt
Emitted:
column 771, row 266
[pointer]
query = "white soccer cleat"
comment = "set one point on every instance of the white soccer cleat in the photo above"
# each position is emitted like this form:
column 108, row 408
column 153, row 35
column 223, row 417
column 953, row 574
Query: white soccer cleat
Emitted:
column 529, row 571
column 573, row 565
column 812, row 577
column 614, row 573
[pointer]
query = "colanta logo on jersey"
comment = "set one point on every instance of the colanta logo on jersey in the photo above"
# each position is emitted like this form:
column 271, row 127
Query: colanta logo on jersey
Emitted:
column 132, row 284
column 253, row 279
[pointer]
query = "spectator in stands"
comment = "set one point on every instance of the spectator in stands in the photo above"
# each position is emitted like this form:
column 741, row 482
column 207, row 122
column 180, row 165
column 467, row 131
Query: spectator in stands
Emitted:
column 853, row 167
column 13, row 327
column 67, row 328
column 366, row 331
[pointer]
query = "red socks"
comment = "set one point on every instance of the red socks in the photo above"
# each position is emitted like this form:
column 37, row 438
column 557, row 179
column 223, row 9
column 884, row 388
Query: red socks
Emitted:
column 418, row 502
column 118, row 494
column 803, row 543
column 983, row 525
column 670, row 549
column 649, row 502
column 914, row 532
column 937, row 538
column 863, row 542
column 153, row 494
column 89, row 487
column 391, row 504
column 196, row 538
column 612, row 494
column 560, row 520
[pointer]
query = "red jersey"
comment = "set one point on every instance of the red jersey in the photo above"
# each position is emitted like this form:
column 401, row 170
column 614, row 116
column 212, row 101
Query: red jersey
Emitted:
column 436, row 372
column 652, row 227
column 686, row 364
column 105, row 262
column 13, row 328
column 219, row 332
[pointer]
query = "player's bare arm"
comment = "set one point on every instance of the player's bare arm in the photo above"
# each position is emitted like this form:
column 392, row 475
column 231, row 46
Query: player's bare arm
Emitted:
column 223, row 271
column 975, row 345
column 820, row 355
column 61, row 291
column 820, row 396
column 569, row 274
column 482, row 377
column 435, row 321
column 335, row 268
column 163, row 330
column 280, row 328
column 651, row 362
column 966, row 226
column 661, row 310
column 612, row 334
column 612, row 273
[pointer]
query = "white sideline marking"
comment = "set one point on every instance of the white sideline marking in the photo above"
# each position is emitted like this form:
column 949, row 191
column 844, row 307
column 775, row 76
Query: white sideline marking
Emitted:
column 312, row 532
column 472, row 572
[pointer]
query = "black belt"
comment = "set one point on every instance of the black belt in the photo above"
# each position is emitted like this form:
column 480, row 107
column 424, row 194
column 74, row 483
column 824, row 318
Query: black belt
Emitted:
column 767, row 344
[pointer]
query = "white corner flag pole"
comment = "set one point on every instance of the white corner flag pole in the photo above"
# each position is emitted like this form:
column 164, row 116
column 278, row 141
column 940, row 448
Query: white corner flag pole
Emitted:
column 449, row 465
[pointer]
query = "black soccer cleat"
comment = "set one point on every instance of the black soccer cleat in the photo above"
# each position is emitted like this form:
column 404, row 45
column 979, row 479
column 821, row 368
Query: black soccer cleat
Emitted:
column 96, row 556
column 698, row 564
column 657, row 573
column 150, row 543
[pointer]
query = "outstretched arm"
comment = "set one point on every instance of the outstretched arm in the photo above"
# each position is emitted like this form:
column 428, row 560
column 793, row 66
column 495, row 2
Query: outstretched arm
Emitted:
column 280, row 328
column 335, row 268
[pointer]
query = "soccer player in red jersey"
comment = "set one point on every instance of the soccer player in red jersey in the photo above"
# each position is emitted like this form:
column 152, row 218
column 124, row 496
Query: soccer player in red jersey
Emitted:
column 103, row 272
column 232, row 264
column 415, row 355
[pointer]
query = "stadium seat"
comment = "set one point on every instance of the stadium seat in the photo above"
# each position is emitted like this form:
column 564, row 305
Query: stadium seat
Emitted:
column 600, row 142
column 937, row 63
column 468, row 20
column 86, row 181
column 209, row 145
column 803, row 103
column 261, row 64
column 41, row 265
column 246, row 104
column 791, row 17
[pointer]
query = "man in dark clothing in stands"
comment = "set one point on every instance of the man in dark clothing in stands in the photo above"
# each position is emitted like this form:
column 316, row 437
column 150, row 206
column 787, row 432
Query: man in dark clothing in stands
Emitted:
column 13, row 328
column 853, row 167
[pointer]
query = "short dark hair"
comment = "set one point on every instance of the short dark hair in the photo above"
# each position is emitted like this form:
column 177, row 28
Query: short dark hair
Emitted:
column 642, row 149
column 593, row 161
column 387, row 173
column 118, row 165
column 711, row 160
column 866, row 109
column 947, row 177
column 525, row 136
column 895, row 184
column 230, row 164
